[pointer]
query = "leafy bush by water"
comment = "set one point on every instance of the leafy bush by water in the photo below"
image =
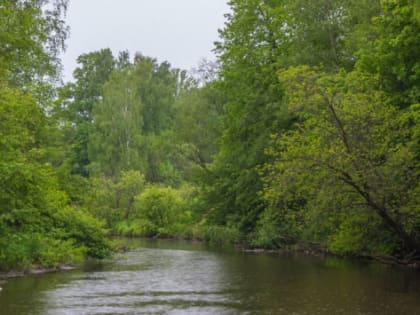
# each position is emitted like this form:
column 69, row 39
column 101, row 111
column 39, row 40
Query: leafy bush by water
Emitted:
column 219, row 235
column 30, row 250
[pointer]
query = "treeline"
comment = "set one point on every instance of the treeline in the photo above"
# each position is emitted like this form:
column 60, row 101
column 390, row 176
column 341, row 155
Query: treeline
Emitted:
column 138, row 134
column 305, row 129
column 320, row 138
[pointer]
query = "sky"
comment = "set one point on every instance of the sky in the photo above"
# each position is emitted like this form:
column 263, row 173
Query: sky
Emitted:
column 181, row 32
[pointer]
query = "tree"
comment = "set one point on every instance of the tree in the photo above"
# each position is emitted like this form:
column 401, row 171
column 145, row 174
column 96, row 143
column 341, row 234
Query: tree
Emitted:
column 351, row 158
column 114, row 144
column 260, row 39
column 326, row 33
column 74, row 108
column 132, row 121
column 159, row 206
column 34, row 212
column 94, row 70
column 249, row 52
column 394, row 56
column 32, row 34
column 197, row 126
column 157, row 88
column 38, row 227
column 113, row 201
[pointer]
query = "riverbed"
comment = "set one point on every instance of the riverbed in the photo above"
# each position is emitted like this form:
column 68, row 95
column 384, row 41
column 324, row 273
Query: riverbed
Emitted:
column 177, row 277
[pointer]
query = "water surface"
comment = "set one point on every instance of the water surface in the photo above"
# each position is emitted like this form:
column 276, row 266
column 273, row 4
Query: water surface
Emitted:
column 166, row 277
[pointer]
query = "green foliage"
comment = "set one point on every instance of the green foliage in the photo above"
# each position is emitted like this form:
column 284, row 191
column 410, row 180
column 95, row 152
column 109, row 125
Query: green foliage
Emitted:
column 114, row 142
column 101, row 199
column 197, row 126
column 326, row 33
column 277, row 227
column 129, row 186
column 139, row 227
column 114, row 201
column 158, row 211
column 352, row 157
column 30, row 200
column 38, row 227
column 393, row 57
column 250, row 47
column 259, row 39
column 95, row 69
column 335, row 156
column 159, row 205
column 362, row 233
column 291, row 141
column 74, row 107
column 157, row 86
column 83, row 229
column 32, row 34
column 288, row 141
column 28, row 250
column 132, row 120
column 219, row 235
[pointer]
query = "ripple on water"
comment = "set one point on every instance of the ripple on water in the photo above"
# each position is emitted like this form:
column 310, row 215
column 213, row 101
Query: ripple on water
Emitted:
column 154, row 280
column 149, row 281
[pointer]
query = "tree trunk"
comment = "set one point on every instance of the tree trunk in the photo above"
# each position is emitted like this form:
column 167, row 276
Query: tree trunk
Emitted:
column 410, row 243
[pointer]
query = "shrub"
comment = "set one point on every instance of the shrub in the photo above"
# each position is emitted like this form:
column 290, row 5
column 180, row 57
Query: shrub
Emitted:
column 135, row 228
column 219, row 235
column 159, row 205
column 84, row 230
column 20, row 251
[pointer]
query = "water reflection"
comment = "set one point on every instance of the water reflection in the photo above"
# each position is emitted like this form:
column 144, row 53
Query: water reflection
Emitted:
column 184, row 278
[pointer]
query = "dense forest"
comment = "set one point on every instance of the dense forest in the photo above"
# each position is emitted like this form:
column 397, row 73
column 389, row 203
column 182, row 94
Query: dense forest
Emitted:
column 305, row 130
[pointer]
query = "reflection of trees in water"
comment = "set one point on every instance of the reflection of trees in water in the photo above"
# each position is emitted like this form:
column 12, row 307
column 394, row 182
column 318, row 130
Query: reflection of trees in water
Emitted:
column 29, row 294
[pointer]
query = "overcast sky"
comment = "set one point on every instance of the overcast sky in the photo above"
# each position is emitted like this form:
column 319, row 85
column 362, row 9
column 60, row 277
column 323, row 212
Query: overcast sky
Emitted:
column 179, row 31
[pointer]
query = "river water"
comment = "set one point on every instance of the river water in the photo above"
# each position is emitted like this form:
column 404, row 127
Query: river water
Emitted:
column 168, row 277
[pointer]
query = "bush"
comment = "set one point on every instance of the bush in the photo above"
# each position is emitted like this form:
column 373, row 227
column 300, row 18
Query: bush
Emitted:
column 158, row 212
column 113, row 201
column 159, row 205
column 275, row 228
column 84, row 230
column 135, row 228
column 20, row 251
column 362, row 235
column 219, row 235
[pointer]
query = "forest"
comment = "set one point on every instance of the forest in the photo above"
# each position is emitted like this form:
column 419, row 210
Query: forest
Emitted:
column 305, row 131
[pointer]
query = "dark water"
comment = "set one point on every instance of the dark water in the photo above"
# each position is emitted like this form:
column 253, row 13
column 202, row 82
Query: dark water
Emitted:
column 165, row 277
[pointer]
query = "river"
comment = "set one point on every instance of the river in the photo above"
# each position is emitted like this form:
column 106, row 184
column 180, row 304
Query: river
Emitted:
column 174, row 277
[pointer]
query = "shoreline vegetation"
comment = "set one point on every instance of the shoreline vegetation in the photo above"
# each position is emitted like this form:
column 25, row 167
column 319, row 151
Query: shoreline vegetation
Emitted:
column 306, row 127
column 302, row 247
column 4, row 275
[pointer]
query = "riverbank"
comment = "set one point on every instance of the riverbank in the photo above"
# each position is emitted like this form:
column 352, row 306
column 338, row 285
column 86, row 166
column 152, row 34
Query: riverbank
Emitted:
column 306, row 247
column 313, row 249
column 303, row 247
column 163, row 276
column 4, row 275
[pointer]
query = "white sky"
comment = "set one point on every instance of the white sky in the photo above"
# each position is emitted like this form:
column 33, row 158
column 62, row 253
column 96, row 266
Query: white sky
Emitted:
column 181, row 32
